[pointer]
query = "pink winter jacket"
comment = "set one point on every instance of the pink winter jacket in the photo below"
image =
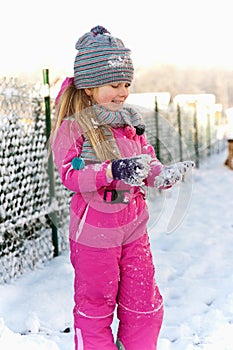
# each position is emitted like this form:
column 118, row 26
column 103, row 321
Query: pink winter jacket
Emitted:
column 93, row 221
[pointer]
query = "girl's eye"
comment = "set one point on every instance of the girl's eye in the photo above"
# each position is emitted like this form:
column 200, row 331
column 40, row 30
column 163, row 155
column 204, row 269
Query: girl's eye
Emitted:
column 115, row 86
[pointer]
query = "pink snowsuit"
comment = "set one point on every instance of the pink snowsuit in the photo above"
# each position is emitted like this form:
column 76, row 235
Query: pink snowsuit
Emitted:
column 110, row 250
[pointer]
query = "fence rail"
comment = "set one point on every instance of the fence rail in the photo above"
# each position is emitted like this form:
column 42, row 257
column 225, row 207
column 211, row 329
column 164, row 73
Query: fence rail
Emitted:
column 26, row 203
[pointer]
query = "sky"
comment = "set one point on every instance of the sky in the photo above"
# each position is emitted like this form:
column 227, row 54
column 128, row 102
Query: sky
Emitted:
column 194, row 267
column 42, row 34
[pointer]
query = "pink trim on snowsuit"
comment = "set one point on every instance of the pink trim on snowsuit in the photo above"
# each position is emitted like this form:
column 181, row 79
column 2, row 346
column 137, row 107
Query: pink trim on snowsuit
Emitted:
column 110, row 250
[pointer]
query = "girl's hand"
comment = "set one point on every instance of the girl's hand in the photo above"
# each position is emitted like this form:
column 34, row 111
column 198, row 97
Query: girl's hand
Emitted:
column 131, row 170
column 173, row 173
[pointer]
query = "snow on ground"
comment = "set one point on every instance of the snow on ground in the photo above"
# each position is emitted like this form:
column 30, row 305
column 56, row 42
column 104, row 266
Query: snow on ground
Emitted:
column 191, row 232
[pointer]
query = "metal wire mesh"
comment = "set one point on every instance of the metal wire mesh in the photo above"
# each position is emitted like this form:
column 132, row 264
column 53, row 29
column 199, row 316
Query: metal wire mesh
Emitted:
column 25, row 207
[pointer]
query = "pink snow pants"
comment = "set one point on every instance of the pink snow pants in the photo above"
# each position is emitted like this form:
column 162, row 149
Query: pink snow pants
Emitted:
column 122, row 276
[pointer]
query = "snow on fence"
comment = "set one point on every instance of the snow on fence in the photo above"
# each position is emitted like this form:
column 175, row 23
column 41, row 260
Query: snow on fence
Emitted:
column 26, row 206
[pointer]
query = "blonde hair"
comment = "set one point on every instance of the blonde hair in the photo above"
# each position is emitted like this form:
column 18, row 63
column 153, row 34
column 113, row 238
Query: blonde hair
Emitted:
column 75, row 103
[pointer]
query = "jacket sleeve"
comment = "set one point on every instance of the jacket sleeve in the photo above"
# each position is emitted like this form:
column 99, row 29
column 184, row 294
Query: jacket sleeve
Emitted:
column 68, row 145
column 156, row 166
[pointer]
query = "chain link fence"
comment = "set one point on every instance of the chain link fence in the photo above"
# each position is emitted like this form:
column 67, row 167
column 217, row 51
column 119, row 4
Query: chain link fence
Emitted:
column 26, row 207
column 25, row 203
column 185, row 131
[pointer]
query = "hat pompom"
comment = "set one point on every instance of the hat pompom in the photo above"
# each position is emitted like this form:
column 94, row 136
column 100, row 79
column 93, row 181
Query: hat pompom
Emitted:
column 99, row 30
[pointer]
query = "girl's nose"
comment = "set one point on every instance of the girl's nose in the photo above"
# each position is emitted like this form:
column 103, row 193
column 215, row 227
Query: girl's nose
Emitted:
column 123, row 91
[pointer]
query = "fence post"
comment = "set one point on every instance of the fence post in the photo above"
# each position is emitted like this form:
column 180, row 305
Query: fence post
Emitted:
column 180, row 131
column 208, row 134
column 195, row 135
column 53, row 216
column 157, row 146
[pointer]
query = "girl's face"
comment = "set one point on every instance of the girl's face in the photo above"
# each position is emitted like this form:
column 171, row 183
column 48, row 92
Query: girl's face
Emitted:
column 110, row 96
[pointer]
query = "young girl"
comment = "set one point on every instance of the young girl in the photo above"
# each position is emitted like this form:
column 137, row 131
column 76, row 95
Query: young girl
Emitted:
column 103, row 156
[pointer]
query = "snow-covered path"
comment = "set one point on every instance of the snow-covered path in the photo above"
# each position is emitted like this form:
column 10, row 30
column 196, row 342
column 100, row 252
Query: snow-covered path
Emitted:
column 194, row 264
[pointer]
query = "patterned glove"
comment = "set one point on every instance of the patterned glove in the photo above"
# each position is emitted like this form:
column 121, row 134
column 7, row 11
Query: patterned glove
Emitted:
column 173, row 173
column 132, row 170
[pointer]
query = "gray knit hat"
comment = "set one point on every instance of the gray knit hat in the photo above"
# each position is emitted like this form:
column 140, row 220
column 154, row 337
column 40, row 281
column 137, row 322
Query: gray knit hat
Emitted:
column 101, row 60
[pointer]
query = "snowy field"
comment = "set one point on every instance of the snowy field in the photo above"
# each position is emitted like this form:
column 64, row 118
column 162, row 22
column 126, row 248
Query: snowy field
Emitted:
column 191, row 233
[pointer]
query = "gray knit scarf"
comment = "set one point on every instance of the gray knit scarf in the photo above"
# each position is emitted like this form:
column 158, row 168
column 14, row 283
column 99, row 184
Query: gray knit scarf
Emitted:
column 127, row 116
